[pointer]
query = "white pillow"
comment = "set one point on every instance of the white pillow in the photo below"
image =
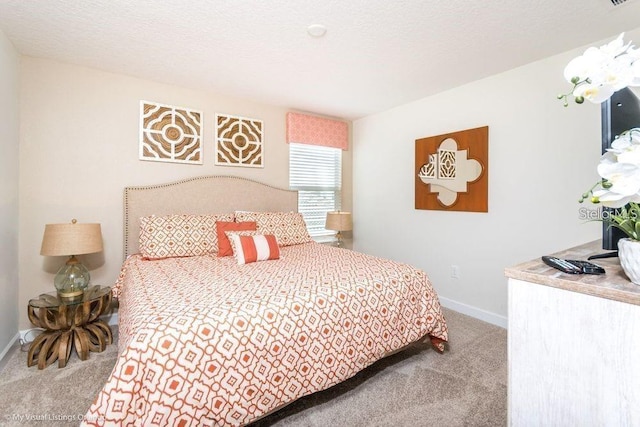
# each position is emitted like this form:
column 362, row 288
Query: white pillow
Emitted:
column 288, row 227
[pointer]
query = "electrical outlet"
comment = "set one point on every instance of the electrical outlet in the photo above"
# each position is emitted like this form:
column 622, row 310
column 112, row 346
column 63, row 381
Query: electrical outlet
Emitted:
column 455, row 272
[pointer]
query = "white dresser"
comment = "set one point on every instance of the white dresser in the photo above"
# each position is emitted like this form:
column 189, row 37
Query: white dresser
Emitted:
column 574, row 345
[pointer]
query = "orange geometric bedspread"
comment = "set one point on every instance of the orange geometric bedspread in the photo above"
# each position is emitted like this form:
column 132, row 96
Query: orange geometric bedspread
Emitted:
column 204, row 341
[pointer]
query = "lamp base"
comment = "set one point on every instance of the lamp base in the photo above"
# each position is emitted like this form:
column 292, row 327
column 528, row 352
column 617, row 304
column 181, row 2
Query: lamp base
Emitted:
column 71, row 280
column 71, row 295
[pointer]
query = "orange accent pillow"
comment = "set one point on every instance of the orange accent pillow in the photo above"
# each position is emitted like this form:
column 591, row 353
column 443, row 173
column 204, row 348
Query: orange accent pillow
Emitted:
column 224, row 245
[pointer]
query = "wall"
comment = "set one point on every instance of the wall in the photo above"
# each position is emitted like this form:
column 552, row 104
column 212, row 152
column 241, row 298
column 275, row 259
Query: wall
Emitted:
column 542, row 157
column 9, row 137
column 79, row 149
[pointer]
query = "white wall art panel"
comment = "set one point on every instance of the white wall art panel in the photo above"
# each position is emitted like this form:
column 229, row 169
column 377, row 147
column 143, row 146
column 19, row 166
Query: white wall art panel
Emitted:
column 239, row 141
column 170, row 134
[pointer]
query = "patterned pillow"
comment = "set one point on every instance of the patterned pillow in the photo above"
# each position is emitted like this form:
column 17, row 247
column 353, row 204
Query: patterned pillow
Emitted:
column 224, row 245
column 179, row 235
column 288, row 227
column 258, row 247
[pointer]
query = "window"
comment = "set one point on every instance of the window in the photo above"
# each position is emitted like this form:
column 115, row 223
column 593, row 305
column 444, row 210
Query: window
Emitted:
column 316, row 172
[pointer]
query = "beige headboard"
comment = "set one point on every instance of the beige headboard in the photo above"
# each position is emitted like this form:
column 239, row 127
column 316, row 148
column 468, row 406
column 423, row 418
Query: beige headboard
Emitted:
column 201, row 195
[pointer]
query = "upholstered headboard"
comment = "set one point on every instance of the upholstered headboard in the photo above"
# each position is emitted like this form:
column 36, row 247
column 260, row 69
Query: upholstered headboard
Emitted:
column 201, row 195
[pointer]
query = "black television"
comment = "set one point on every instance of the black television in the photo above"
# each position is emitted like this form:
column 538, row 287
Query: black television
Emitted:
column 619, row 113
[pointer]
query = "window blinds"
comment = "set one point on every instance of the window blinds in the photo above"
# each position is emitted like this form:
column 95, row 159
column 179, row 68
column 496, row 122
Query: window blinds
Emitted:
column 316, row 172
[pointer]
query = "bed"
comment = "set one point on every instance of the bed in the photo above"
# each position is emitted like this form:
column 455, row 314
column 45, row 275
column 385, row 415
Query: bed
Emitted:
column 209, row 340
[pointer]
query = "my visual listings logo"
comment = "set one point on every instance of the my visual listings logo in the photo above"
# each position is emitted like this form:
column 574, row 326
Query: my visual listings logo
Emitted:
column 47, row 418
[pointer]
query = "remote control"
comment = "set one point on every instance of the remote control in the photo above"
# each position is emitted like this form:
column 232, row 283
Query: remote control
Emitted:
column 587, row 267
column 573, row 266
column 561, row 265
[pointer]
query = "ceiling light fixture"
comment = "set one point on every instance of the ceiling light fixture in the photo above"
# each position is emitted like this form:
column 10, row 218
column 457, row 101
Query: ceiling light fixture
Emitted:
column 316, row 30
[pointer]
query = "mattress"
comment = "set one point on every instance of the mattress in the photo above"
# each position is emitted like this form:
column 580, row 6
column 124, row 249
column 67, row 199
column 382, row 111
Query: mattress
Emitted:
column 205, row 341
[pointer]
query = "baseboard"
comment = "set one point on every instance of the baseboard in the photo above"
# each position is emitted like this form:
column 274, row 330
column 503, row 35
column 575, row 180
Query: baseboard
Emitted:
column 7, row 349
column 111, row 319
column 478, row 313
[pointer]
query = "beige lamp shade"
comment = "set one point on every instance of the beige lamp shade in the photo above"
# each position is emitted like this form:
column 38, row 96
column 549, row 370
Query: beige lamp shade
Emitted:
column 71, row 239
column 339, row 221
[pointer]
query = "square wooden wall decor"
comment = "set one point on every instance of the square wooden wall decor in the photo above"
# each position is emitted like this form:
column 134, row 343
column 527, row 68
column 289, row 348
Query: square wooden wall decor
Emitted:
column 452, row 171
column 170, row 134
column 239, row 141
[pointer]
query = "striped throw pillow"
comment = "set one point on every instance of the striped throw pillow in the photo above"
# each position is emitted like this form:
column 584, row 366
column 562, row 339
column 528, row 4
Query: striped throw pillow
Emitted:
column 224, row 245
column 260, row 247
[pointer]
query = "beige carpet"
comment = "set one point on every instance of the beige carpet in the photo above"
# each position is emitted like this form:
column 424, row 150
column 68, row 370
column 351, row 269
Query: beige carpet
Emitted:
column 465, row 386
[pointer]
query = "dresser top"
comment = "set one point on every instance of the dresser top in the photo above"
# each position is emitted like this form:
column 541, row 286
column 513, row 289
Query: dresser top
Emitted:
column 613, row 285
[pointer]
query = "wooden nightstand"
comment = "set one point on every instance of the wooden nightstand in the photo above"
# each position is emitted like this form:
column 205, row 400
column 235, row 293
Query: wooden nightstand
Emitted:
column 69, row 324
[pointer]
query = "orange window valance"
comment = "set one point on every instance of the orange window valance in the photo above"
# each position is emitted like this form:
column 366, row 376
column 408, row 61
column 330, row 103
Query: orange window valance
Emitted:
column 314, row 130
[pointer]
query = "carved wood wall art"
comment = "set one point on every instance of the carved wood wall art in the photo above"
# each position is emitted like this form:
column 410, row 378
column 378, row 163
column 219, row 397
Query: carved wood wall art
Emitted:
column 451, row 171
column 170, row 134
column 239, row 141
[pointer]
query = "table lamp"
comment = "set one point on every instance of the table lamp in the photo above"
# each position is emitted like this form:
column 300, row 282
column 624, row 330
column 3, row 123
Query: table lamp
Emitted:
column 71, row 240
column 339, row 221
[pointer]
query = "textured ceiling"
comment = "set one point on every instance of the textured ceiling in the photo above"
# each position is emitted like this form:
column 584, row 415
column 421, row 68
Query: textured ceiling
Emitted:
column 377, row 54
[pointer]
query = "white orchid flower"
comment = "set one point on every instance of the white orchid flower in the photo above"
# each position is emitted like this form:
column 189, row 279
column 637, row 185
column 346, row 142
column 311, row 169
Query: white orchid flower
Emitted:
column 626, row 140
column 635, row 68
column 631, row 157
column 619, row 167
column 624, row 180
column 619, row 73
column 628, row 152
column 612, row 200
column 585, row 66
column 615, row 47
column 600, row 72
column 626, row 185
column 634, row 56
column 594, row 93
column 596, row 75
